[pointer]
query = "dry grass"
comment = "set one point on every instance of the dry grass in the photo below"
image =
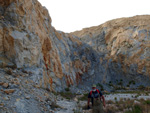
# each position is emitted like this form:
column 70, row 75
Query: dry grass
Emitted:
column 110, row 102
column 128, row 106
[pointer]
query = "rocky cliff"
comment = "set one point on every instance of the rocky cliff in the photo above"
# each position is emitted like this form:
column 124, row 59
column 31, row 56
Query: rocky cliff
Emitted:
column 118, row 49
column 36, row 59
column 28, row 41
column 125, row 46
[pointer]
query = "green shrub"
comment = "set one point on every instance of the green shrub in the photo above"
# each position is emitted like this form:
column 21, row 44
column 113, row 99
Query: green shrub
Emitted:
column 136, row 109
column 115, row 98
column 146, row 93
column 120, row 83
column 67, row 89
column 84, row 97
column 147, row 102
column 54, row 105
column 110, row 84
column 101, row 86
column 132, row 82
column 128, row 85
column 136, row 96
column 67, row 95
column 141, row 87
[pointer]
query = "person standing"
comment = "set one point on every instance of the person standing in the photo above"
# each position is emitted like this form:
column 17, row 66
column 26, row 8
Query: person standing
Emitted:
column 96, row 97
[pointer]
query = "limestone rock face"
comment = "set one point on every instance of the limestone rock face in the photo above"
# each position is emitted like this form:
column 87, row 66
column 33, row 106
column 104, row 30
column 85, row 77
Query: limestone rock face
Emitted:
column 36, row 59
column 125, row 46
column 25, row 27
column 118, row 49
column 29, row 42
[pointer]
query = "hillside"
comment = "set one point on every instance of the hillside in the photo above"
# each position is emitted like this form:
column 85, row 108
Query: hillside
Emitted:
column 124, row 43
column 36, row 60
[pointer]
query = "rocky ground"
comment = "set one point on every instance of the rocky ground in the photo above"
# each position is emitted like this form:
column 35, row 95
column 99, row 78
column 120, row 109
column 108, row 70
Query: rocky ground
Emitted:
column 20, row 94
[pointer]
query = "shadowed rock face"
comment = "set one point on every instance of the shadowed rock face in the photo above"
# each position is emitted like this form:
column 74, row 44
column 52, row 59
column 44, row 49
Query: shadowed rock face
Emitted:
column 125, row 46
column 118, row 49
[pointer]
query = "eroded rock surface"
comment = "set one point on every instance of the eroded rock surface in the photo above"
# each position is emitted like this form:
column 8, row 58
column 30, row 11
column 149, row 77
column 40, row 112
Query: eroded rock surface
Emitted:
column 36, row 59
column 116, row 50
column 28, row 41
column 124, row 46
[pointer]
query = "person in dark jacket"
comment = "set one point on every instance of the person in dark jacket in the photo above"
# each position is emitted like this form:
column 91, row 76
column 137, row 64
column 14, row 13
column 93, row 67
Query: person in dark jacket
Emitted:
column 96, row 97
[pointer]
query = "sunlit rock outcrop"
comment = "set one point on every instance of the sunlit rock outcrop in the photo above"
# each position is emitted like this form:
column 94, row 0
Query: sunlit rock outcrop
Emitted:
column 125, row 46
column 28, row 41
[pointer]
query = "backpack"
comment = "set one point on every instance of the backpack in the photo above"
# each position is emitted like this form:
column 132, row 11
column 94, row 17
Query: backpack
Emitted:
column 96, row 90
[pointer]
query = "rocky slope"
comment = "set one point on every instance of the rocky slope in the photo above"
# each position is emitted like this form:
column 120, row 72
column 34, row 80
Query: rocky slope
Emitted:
column 116, row 50
column 36, row 59
column 125, row 46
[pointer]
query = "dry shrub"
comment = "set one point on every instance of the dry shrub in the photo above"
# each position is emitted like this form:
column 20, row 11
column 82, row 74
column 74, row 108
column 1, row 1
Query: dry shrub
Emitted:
column 110, row 102
column 110, row 109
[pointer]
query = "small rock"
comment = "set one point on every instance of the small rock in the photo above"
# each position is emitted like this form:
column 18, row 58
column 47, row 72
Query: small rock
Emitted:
column 46, row 94
column 15, row 75
column 5, row 85
column 6, row 98
column 12, row 86
column 1, row 104
column 30, row 73
column 22, row 98
column 15, row 81
column 9, row 71
column 20, row 93
column 9, row 91
column 75, row 99
column 37, row 86
column 27, row 97
column 136, row 102
column 26, row 82
column 18, row 99
column 22, row 75
column 24, row 71
column 14, row 71
column 14, row 106
column 6, row 77
column 87, row 111
column 1, row 83
column 58, row 109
